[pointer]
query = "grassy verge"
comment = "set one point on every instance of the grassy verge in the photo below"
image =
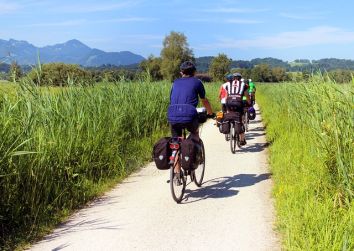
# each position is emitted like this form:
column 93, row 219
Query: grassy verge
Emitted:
column 62, row 147
column 310, row 127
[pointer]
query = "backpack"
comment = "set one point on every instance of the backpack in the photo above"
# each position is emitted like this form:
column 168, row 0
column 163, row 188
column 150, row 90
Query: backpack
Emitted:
column 189, row 151
column 161, row 153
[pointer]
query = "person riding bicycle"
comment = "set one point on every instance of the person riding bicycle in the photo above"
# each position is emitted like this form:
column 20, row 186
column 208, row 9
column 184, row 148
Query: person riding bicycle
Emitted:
column 182, row 113
column 252, row 91
column 223, row 93
column 239, row 89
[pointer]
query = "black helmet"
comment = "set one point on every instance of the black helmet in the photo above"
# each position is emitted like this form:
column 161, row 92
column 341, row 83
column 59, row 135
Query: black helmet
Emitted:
column 187, row 68
column 229, row 77
column 237, row 75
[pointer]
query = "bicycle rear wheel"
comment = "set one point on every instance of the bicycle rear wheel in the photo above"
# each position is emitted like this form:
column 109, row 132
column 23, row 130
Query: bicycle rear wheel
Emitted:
column 177, row 184
column 233, row 140
column 198, row 173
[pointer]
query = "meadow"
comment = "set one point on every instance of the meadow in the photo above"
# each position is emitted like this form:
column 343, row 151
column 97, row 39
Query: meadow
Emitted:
column 310, row 128
column 62, row 147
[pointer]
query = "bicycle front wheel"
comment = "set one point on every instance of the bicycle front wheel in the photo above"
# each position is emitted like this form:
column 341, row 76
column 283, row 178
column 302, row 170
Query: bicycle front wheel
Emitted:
column 198, row 173
column 177, row 184
column 233, row 137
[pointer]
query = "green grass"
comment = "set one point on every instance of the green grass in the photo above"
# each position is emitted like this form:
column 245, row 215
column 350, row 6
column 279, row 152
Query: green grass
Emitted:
column 62, row 147
column 310, row 128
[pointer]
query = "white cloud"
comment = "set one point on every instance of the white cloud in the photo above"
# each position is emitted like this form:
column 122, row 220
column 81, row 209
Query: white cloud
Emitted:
column 58, row 24
column 226, row 21
column 6, row 8
column 242, row 21
column 314, row 36
column 89, row 22
column 235, row 10
column 94, row 7
column 124, row 20
column 303, row 16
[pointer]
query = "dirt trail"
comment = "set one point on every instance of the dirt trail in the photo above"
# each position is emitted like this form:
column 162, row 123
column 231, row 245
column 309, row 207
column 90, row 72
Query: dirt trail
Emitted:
column 233, row 210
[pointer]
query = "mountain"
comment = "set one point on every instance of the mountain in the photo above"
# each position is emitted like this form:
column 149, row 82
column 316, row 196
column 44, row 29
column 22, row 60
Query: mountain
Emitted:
column 71, row 52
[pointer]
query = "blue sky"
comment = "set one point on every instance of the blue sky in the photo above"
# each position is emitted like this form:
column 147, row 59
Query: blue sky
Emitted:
column 241, row 29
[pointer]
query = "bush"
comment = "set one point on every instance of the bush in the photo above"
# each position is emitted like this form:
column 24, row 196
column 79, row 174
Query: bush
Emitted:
column 60, row 74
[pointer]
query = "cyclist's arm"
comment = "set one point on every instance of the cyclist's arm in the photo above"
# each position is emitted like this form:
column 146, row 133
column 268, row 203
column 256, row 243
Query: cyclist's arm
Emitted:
column 207, row 106
column 220, row 92
column 247, row 95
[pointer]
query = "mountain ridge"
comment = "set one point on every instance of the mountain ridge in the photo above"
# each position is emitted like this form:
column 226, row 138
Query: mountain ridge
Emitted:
column 72, row 52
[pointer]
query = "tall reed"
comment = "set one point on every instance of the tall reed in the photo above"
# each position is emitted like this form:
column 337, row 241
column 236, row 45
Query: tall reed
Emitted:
column 310, row 126
column 58, row 146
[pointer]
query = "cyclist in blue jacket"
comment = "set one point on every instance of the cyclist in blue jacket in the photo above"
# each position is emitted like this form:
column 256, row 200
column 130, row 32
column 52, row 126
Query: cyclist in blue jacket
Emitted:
column 184, row 96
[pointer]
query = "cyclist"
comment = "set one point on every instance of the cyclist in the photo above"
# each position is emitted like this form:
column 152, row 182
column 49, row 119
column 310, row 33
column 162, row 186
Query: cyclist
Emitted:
column 239, row 87
column 182, row 111
column 252, row 91
column 223, row 93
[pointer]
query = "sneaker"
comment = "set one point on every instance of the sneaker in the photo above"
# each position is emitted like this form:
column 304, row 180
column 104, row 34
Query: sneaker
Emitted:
column 242, row 143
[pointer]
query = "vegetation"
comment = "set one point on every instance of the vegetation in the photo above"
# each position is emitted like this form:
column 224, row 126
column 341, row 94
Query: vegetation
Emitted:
column 175, row 51
column 310, row 128
column 219, row 67
column 152, row 66
column 59, row 74
column 58, row 149
column 15, row 72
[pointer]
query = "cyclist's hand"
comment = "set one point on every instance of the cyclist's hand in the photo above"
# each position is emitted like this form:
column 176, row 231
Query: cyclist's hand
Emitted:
column 211, row 116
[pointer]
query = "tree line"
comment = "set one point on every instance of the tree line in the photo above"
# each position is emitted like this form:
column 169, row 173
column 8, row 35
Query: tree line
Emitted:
column 175, row 50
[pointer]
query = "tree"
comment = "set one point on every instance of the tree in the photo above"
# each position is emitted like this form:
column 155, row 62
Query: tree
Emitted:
column 219, row 66
column 15, row 72
column 175, row 51
column 60, row 74
column 152, row 66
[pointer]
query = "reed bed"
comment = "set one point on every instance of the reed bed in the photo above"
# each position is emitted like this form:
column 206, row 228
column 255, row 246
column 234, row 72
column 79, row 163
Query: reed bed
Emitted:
column 310, row 128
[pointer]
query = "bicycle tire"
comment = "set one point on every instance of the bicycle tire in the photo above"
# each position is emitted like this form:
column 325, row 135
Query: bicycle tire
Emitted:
column 173, row 184
column 198, row 173
column 233, row 137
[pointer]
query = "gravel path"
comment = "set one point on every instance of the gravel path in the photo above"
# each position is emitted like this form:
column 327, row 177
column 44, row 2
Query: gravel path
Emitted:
column 233, row 210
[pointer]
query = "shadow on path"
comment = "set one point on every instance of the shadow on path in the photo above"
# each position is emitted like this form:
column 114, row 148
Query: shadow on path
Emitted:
column 223, row 187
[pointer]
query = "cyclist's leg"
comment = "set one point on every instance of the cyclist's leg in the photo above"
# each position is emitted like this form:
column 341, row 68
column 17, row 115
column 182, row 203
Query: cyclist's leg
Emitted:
column 193, row 128
column 223, row 108
column 242, row 134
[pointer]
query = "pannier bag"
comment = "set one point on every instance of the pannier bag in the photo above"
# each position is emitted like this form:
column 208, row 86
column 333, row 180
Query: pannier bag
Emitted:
column 189, row 151
column 219, row 116
column 224, row 127
column 202, row 115
column 161, row 153
column 251, row 113
column 234, row 101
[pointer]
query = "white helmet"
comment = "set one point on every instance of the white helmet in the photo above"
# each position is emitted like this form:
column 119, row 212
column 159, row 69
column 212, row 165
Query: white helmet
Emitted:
column 250, row 80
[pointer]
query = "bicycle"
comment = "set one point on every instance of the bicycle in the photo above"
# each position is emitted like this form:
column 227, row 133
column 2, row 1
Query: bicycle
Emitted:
column 235, row 124
column 178, row 181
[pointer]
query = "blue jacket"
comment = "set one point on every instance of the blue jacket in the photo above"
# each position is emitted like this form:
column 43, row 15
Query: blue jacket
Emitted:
column 184, row 99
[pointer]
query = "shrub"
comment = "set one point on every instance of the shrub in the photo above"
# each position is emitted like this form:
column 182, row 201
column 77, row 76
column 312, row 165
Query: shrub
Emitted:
column 60, row 74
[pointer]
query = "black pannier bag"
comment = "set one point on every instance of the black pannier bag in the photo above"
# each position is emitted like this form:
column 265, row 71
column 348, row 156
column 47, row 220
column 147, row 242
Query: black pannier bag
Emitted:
column 189, row 151
column 234, row 101
column 224, row 127
column 161, row 153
